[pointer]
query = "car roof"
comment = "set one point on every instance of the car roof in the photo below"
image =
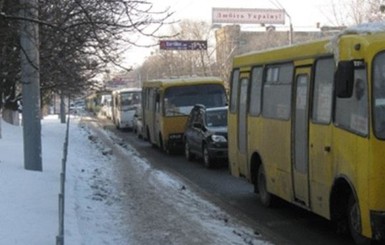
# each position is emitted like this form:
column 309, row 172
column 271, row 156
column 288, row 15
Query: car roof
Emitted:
column 217, row 108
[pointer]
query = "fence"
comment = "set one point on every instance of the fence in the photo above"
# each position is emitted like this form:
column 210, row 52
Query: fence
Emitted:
column 60, row 236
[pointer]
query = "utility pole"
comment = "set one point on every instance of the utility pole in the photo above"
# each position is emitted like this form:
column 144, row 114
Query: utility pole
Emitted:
column 291, row 28
column 62, row 108
column 30, row 78
column 279, row 5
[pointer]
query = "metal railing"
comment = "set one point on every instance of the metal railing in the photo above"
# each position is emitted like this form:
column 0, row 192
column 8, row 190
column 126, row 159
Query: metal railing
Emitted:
column 60, row 236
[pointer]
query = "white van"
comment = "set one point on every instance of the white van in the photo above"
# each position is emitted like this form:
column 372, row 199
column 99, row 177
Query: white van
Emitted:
column 124, row 103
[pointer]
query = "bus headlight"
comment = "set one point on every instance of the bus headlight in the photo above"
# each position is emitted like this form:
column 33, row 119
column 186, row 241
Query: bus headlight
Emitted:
column 218, row 138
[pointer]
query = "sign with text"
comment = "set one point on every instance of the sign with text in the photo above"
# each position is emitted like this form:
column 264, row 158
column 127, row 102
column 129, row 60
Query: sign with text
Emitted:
column 183, row 45
column 248, row 16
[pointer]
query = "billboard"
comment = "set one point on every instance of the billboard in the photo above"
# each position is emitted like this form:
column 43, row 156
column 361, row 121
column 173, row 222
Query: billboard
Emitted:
column 248, row 16
column 183, row 45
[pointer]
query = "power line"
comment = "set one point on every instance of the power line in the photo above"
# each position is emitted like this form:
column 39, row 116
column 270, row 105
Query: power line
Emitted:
column 278, row 5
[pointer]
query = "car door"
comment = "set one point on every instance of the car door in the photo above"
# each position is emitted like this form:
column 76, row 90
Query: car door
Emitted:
column 189, row 128
column 196, row 132
column 191, row 131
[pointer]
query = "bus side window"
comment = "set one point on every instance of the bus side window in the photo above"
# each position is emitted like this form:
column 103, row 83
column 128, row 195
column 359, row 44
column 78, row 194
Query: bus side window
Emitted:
column 323, row 91
column 157, row 101
column 352, row 112
column 277, row 91
column 256, row 91
column 344, row 79
column 379, row 96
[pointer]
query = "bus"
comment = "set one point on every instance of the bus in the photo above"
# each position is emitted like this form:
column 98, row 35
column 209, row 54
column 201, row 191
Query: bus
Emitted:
column 94, row 101
column 124, row 104
column 306, row 125
column 106, row 105
column 167, row 103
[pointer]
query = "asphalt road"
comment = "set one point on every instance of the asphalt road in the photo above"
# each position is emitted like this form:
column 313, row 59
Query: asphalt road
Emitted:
column 284, row 224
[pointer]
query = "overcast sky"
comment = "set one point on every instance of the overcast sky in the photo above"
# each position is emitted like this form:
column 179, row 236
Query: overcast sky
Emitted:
column 302, row 12
column 305, row 14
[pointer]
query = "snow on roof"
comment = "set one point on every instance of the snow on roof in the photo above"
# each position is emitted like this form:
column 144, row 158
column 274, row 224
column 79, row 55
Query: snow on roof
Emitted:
column 123, row 90
column 360, row 29
column 182, row 81
column 189, row 79
column 365, row 28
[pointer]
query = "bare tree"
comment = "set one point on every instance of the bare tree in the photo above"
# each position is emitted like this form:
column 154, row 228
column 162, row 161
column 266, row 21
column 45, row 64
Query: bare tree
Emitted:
column 176, row 63
column 9, row 55
column 353, row 12
column 77, row 40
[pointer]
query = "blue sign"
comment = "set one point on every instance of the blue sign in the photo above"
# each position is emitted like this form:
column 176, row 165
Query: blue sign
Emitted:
column 183, row 45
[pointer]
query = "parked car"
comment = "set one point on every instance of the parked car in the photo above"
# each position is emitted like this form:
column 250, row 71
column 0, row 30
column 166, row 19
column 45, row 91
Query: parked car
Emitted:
column 76, row 107
column 137, row 123
column 205, row 135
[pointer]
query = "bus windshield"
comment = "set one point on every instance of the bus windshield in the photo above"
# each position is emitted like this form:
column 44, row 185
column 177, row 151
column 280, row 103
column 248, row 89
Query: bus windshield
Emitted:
column 130, row 98
column 180, row 100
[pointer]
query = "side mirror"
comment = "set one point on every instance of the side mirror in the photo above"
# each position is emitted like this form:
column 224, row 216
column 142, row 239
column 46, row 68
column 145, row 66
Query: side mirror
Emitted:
column 344, row 79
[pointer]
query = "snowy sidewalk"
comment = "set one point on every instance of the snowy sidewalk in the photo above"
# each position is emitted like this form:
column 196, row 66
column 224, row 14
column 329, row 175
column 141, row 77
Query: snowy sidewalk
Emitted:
column 110, row 198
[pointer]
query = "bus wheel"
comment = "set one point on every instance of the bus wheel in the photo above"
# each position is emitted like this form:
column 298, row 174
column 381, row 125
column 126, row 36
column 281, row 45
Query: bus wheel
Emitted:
column 189, row 156
column 264, row 196
column 354, row 222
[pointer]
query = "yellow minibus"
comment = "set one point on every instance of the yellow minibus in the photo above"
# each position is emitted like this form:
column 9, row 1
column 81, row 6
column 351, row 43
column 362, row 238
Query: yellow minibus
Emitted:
column 167, row 103
column 306, row 124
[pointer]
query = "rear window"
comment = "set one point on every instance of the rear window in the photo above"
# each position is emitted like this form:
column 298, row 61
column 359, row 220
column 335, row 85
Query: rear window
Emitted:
column 217, row 118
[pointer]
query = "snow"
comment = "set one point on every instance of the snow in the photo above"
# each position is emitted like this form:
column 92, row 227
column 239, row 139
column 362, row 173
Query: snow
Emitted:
column 360, row 29
column 102, row 205
column 363, row 28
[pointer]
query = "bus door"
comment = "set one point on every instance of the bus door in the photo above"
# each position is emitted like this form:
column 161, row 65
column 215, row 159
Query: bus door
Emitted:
column 242, row 125
column 320, row 136
column 156, row 117
column 150, row 116
column 300, row 127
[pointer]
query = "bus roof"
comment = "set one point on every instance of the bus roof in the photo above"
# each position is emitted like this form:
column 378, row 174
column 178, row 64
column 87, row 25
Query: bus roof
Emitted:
column 361, row 36
column 282, row 54
column 182, row 81
column 123, row 90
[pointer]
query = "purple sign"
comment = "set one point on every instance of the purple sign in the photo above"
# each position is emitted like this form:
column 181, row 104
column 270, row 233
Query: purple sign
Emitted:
column 183, row 45
column 248, row 16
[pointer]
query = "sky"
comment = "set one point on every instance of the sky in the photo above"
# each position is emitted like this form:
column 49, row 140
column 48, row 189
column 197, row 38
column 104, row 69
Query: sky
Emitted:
column 305, row 14
column 147, row 206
